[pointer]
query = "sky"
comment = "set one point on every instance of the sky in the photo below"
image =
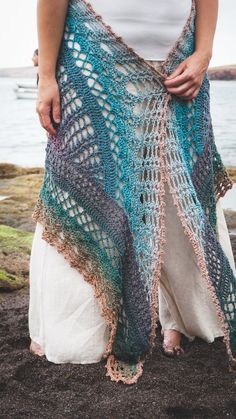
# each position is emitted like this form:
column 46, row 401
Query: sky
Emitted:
column 18, row 33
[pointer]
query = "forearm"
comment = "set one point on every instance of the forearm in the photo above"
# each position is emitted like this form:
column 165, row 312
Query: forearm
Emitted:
column 206, row 19
column 50, row 23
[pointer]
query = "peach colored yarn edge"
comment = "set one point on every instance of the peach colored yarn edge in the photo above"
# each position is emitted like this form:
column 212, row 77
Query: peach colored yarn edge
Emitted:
column 39, row 215
column 162, row 229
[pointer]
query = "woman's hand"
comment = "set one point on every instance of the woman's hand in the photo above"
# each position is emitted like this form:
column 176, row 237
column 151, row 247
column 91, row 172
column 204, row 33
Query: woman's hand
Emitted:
column 48, row 104
column 50, row 26
column 186, row 80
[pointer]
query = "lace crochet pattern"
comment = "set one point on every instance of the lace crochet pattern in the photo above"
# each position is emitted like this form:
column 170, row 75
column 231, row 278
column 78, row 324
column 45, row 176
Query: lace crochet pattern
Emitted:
column 121, row 136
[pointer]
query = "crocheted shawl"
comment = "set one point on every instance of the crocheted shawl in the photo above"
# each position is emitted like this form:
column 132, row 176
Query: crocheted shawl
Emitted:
column 101, row 204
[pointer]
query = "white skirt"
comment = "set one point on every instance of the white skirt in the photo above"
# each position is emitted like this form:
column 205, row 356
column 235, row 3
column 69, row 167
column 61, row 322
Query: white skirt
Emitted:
column 65, row 318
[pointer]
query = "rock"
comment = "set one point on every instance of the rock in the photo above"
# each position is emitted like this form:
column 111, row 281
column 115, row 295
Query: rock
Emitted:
column 232, row 172
column 10, row 282
column 15, row 248
column 20, row 186
column 224, row 72
column 230, row 217
column 9, row 170
column 233, row 244
column 12, row 239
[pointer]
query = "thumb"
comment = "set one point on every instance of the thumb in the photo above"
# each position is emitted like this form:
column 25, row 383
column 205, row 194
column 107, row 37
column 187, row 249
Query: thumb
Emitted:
column 56, row 109
column 177, row 71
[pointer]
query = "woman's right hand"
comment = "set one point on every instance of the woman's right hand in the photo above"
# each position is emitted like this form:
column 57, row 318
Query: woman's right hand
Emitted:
column 48, row 104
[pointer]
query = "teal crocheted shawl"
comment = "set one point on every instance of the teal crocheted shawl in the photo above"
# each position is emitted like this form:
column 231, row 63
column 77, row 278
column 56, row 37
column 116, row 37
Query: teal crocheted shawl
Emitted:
column 101, row 203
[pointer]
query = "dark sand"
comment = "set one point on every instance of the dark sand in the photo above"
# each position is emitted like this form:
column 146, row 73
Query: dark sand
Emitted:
column 197, row 386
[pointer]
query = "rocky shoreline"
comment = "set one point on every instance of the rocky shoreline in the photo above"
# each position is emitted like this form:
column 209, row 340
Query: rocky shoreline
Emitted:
column 226, row 72
column 19, row 189
column 18, row 193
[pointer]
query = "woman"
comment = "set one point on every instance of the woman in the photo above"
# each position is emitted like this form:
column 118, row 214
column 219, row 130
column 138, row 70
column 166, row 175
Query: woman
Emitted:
column 132, row 173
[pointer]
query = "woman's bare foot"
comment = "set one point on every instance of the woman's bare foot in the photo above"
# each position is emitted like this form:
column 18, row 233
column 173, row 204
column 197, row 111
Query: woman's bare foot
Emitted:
column 172, row 342
column 36, row 349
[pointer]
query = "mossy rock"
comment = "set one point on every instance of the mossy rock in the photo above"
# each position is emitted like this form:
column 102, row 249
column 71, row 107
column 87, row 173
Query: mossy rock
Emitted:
column 20, row 187
column 232, row 172
column 15, row 240
column 9, row 282
column 230, row 216
column 15, row 249
column 233, row 244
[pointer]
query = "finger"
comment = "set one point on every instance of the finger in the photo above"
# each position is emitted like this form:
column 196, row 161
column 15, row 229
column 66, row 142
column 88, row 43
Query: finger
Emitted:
column 177, row 71
column 56, row 109
column 190, row 94
column 177, row 81
column 43, row 110
column 40, row 119
column 47, row 124
column 195, row 93
column 42, row 123
column 181, row 90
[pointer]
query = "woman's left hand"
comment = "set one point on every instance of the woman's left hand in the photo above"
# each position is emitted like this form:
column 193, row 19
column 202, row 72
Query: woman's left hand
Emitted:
column 187, row 78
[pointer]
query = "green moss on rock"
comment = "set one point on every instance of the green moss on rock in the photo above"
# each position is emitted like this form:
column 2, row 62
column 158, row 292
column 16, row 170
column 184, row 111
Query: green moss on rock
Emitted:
column 15, row 249
column 20, row 187
column 9, row 282
column 15, row 240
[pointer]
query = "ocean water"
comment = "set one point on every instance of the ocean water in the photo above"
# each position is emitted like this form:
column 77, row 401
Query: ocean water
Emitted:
column 23, row 141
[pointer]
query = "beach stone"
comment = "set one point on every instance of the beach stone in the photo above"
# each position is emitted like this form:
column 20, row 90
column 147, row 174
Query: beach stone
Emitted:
column 9, row 282
column 20, row 187
column 15, row 248
column 9, row 170
column 233, row 244
column 230, row 217
column 232, row 172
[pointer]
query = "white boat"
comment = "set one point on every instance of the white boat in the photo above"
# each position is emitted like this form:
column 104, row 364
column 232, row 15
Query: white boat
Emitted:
column 26, row 85
column 26, row 91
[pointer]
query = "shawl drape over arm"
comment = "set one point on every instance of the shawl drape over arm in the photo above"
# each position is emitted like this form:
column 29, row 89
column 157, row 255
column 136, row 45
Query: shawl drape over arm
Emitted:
column 121, row 136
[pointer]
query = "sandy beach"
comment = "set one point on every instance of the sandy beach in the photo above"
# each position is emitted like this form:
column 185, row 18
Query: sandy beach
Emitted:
column 197, row 386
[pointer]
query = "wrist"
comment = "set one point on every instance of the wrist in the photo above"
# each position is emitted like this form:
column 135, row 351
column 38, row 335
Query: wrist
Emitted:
column 46, row 72
column 204, row 55
column 46, row 78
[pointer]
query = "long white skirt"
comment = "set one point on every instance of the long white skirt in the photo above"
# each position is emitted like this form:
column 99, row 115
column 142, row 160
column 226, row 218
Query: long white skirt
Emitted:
column 65, row 318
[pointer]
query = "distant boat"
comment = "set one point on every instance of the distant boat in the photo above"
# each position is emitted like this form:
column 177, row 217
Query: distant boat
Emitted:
column 26, row 91
column 27, row 85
